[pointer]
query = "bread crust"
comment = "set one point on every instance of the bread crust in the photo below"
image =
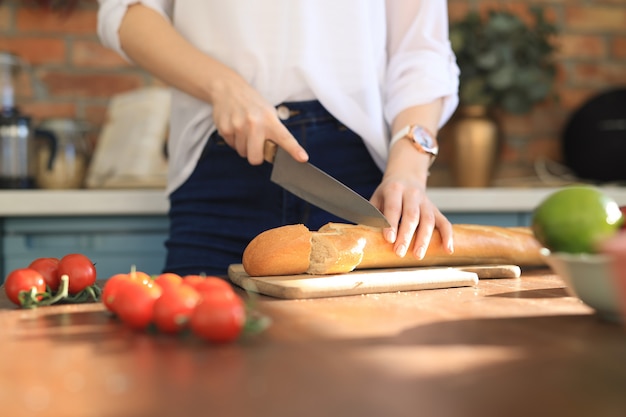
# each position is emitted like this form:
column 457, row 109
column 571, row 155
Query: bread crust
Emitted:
column 341, row 248
column 473, row 245
column 280, row 251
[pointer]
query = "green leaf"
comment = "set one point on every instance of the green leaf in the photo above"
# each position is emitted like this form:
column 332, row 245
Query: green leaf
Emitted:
column 502, row 78
column 504, row 61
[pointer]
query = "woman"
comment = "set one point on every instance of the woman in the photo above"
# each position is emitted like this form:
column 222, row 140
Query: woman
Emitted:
column 329, row 81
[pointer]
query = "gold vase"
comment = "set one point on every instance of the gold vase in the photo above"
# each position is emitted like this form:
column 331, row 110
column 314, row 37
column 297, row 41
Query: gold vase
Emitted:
column 475, row 147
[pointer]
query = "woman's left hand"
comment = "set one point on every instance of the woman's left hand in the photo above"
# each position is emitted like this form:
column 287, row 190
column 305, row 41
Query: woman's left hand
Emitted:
column 401, row 196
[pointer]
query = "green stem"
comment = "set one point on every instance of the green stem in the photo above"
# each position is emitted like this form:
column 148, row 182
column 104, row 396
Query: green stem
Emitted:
column 28, row 299
column 61, row 294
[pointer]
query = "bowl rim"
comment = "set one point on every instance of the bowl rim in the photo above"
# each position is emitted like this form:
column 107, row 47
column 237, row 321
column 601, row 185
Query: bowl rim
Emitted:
column 576, row 257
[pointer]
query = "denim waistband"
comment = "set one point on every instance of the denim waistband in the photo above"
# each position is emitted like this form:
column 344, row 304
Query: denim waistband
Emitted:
column 296, row 112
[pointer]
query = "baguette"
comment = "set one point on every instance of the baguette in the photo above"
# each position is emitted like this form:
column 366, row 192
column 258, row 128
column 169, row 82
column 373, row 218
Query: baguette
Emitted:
column 340, row 248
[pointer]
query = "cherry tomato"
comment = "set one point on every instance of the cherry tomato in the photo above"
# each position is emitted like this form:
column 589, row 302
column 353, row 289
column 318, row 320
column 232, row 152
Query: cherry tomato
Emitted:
column 109, row 291
column 193, row 280
column 49, row 269
column 168, row 280
column 140, row 276
column 134, row 302
column 23, row 279
column 80, row 270
column 210, row 285
column 218, row 319
column 173, row 309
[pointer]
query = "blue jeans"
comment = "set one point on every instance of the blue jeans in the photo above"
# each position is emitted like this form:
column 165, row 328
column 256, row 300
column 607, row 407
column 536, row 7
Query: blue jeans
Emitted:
column 226, row 201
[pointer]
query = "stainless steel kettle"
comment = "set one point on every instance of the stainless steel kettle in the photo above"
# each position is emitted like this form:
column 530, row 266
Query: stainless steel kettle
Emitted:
column 17, row 164
column 62, row 153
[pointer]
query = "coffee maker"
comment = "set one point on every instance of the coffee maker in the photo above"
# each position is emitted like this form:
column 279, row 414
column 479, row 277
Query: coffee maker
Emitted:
column 17, row 160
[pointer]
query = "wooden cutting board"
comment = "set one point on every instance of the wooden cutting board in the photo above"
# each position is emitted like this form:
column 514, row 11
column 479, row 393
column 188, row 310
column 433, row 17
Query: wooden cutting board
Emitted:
column 368, row 281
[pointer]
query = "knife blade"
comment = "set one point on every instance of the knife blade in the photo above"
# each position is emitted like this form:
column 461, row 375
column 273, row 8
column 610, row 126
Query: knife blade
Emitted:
column 320, row 189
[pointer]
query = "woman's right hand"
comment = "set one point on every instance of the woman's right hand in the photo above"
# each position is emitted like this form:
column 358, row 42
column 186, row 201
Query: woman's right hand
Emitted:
column 242, row 116
column 245, row 120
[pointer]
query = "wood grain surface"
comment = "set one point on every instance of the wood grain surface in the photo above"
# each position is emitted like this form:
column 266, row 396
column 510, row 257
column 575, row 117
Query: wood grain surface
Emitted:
column 507, row 347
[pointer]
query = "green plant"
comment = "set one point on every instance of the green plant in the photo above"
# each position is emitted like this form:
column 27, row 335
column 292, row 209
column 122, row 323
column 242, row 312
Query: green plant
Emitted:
column 504, row 62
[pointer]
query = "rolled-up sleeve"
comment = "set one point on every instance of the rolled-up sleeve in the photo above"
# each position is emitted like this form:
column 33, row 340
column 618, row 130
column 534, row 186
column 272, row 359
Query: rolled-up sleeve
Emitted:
column 421, row 64
column 111, row 13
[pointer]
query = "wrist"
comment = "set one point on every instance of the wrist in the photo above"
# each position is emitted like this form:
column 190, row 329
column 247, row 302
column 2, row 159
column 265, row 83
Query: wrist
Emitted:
column 404, row 160
column 420, row 138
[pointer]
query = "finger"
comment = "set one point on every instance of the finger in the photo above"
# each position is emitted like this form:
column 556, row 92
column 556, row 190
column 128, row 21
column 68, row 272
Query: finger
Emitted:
column 389, row 202
column 424, row 234
column 254, row 145
column 378, row 201
column 281, row 136
column 445, row 230
column 408, row 223
column 240, row 144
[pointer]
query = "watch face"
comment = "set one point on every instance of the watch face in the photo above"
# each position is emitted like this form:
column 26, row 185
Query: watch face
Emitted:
column 424, row 139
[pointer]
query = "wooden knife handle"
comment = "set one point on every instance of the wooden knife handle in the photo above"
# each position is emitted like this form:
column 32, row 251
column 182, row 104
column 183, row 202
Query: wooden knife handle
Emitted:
column 269, row 151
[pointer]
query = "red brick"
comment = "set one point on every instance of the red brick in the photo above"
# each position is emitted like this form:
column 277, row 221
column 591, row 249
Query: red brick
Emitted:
column 618, row 47
column 546, row 148
column 515, row 125
column 572, row 98
column 96, row 113
column 581, row 46
column 91, row 54
column 36, row 50
column 80, row 22
column 63, row 84
column 596, row 18
column 23, row 87
column 457, row 9
column 40, row 110
column 599, row 73
column 508, row 152
column 5, row 18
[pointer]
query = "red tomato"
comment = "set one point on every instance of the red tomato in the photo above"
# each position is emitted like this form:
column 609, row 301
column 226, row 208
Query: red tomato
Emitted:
column 173, row 309
column 214, row 285
column 80, row 270
column 218, row 319
column 23, row 279
column 168, row 280
column 49, row 269
column 109, row 291
column 140, row 276
column 134, row 302
column 193, row 280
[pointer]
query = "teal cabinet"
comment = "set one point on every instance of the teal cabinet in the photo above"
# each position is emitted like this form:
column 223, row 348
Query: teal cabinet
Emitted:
column 117, row 243
column 114, row 243
column 508, row 219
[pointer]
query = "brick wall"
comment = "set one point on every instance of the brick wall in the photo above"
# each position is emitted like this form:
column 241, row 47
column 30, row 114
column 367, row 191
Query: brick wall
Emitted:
column 72, row 75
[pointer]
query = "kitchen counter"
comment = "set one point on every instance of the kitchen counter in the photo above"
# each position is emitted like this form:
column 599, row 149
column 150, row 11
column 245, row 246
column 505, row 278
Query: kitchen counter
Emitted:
column 514, row 347
column 154, row 202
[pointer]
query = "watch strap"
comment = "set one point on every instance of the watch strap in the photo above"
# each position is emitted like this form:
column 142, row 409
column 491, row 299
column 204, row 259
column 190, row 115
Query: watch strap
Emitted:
column 400, row 134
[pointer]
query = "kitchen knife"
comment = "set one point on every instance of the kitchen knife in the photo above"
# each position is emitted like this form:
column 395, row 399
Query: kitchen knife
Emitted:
column 320, row 189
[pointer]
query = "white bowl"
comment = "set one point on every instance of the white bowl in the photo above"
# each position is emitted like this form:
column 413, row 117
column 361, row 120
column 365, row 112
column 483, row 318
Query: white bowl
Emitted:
column 590, row 278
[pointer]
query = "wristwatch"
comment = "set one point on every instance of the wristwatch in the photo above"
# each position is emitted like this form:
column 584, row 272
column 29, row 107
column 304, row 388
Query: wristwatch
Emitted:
column 423, row 141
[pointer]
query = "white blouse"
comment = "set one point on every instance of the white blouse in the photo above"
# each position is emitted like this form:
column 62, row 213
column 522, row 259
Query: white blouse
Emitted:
column 364, row 60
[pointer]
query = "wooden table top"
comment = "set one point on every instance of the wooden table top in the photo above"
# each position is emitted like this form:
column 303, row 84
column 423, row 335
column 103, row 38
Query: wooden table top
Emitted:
column 514, row 347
